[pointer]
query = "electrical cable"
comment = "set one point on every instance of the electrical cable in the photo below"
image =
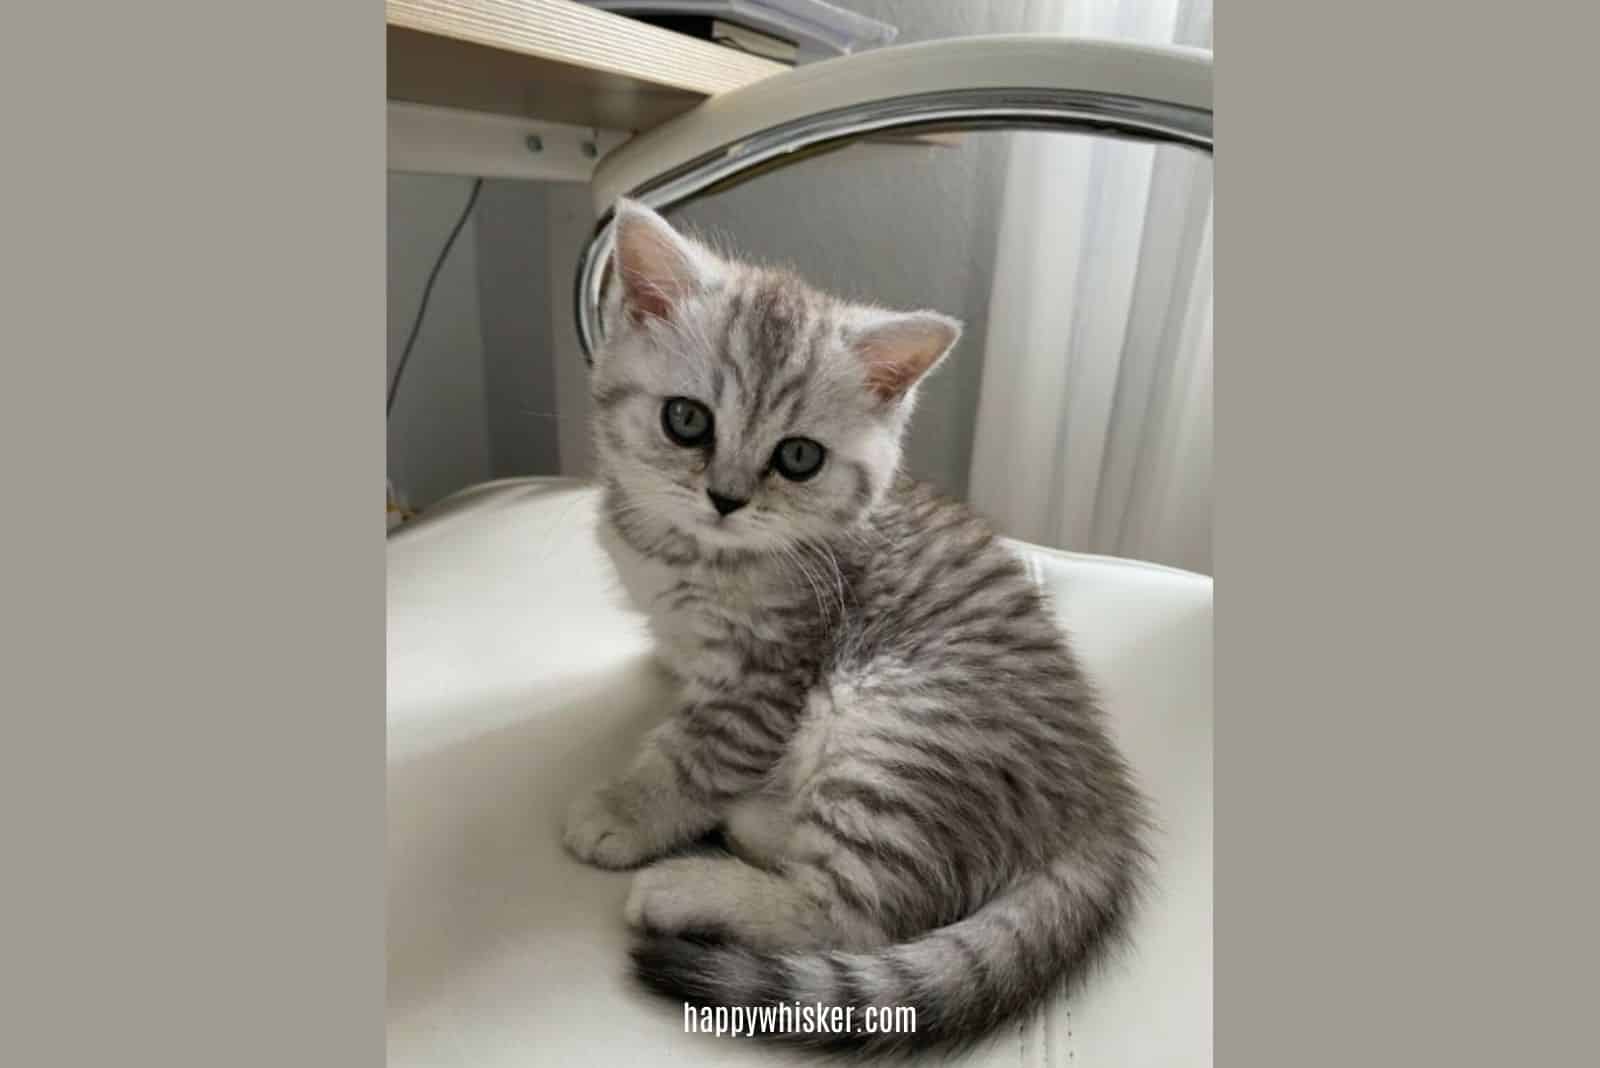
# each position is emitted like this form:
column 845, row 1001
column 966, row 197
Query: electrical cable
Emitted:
column 427, row 292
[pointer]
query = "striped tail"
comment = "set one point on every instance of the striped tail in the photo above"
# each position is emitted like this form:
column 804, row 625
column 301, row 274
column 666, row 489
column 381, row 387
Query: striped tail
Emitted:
column 963, row 981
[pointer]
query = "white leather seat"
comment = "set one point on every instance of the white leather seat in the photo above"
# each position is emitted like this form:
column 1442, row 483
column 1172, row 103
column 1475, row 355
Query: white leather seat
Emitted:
column 517, row 678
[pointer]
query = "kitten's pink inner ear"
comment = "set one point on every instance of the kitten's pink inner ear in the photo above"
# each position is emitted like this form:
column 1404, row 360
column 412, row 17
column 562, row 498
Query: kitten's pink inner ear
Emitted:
column 653, row 264
column 899, row 351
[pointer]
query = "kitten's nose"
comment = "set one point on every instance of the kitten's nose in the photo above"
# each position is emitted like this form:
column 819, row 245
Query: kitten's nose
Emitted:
column 725, row 505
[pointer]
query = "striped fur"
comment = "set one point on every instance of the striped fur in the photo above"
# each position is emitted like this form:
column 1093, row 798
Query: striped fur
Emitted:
column 875, row 705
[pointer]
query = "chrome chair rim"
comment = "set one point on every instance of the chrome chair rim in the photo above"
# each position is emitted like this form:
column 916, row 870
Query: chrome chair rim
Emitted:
column 1112, row 115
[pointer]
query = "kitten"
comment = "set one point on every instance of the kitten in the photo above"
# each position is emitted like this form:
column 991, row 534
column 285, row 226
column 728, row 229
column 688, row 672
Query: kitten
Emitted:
column 874, row 704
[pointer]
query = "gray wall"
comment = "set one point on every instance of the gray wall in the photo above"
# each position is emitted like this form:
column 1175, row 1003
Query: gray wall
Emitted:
column 514, row 291
column 438, row 432
column 478, row 400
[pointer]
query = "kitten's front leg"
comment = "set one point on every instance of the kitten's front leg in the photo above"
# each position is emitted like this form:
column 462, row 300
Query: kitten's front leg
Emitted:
column 650, row 810
column 678, row 787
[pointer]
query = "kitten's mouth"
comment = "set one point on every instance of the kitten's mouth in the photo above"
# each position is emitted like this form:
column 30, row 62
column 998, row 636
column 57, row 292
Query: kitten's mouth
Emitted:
column 727, row 532
column 686, row 512
column 718, row 531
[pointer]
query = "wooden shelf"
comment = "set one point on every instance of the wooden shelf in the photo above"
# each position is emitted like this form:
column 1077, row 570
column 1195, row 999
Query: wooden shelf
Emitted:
column 554, row 60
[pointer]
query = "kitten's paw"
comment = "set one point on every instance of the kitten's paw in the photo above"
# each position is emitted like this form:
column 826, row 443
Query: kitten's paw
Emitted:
column 596, row 834
column 668, row 898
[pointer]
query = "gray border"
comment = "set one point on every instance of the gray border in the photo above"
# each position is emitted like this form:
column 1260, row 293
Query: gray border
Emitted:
column 1405, row 415
column 193, row 591
column 193, row 568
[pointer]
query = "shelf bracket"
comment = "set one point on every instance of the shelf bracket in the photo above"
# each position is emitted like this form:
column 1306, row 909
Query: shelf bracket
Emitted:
column 424, row 139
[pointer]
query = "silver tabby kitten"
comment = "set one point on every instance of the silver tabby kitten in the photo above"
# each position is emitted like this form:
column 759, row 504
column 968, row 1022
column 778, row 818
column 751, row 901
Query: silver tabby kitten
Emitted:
column 874, row 705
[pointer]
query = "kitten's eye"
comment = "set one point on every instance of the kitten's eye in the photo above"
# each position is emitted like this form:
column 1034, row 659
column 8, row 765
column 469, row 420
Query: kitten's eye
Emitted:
column 797, row 459
column 687, row 422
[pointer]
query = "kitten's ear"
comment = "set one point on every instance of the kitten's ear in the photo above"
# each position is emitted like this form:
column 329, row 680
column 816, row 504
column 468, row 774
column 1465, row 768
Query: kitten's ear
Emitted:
column 657, row 266
column 899, row 348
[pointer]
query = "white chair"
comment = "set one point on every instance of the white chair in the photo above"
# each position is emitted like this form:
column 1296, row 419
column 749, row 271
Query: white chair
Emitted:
column 517, row 677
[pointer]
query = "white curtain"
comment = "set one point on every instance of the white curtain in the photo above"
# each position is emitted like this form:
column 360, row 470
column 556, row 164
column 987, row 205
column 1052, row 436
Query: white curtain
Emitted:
column 1094, row 420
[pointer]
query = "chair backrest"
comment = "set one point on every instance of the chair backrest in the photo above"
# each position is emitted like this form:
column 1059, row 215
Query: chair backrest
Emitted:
column 1108, row 88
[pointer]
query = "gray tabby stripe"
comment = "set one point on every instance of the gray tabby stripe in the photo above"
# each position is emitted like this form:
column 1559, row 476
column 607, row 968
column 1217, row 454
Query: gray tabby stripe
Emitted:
column 725, row 351
column 882, row 851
